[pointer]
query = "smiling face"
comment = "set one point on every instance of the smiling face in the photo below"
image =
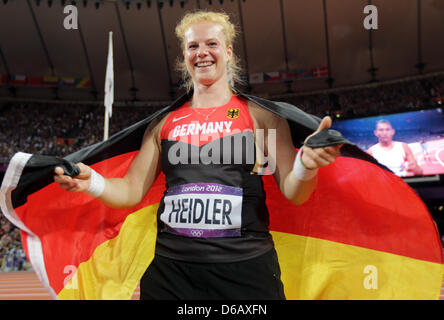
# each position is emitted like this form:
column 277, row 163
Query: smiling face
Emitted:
column 206, row 53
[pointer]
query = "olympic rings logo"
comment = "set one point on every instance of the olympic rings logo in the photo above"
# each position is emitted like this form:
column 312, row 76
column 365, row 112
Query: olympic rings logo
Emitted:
column 196, row 233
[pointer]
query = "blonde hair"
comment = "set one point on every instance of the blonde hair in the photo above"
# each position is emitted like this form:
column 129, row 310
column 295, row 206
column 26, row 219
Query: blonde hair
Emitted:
column 228, row 29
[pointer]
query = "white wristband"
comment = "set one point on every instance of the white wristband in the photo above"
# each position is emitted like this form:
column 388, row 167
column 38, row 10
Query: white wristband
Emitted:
column 300, row 171
column 97, row 185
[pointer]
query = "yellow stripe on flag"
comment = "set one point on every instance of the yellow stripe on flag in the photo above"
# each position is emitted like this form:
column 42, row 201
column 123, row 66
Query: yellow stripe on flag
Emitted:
column 121, row 261
column 311, row 268
column 320, row 269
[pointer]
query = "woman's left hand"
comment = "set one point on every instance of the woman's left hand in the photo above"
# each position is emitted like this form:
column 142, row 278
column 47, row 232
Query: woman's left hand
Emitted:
column 314, row 158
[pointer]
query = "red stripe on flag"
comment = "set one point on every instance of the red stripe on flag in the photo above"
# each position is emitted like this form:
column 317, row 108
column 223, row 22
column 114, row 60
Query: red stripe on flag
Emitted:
column 355, row 202
column 364, row 209
column 71, row 238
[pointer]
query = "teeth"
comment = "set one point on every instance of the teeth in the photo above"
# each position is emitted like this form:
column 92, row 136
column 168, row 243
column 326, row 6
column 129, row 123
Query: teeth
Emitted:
column 204, row 64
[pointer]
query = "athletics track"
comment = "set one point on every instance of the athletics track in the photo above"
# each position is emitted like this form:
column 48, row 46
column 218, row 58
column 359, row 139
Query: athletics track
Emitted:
column 431, row 157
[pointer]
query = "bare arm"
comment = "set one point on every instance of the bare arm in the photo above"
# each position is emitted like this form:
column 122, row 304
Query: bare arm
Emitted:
column 413, row 165
column 143, row 171
column 123, row 192
column 294, row 189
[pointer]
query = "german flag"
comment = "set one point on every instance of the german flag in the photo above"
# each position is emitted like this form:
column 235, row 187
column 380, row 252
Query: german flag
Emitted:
column 363, row 234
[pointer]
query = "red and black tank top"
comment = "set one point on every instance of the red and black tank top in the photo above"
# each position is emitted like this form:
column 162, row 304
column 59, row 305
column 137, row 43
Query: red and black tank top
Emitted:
column 213, row 209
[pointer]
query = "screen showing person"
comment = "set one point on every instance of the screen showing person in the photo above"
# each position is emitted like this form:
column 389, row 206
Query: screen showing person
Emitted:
column 395, row 155
column 415, row 139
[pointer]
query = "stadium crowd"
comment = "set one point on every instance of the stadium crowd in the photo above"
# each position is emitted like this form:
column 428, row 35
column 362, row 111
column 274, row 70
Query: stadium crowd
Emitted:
column 55, row 130
column 377, row 99
column 60, row 129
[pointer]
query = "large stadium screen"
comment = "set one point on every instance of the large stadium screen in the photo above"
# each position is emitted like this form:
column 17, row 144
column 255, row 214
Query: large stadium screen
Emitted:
column 410, row 143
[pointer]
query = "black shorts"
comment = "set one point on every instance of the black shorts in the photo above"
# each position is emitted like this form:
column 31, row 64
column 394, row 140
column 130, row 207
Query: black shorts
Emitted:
column 255, row 279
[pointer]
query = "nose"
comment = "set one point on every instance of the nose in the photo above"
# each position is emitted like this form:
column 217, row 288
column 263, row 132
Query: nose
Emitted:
column 202, row 52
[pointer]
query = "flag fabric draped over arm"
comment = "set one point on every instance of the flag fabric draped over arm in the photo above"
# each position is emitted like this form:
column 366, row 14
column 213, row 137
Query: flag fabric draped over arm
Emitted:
column 363, row 234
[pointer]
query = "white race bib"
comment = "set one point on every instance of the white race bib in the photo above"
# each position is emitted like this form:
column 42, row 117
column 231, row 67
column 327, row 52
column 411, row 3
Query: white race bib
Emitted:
column 203, row 210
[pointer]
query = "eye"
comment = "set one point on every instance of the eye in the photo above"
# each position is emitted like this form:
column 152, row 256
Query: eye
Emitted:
column 192, row 46
column 212, row 44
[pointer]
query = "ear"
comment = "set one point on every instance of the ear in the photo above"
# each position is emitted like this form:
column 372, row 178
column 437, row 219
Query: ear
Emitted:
column 230, row 52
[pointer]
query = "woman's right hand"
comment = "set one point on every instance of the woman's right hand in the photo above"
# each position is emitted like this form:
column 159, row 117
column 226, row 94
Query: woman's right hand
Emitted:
column 79, row 183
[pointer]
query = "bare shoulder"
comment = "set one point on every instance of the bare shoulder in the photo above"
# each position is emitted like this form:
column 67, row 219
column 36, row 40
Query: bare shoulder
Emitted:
column 154, row 127
column 370, row 150
column 262, row 117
